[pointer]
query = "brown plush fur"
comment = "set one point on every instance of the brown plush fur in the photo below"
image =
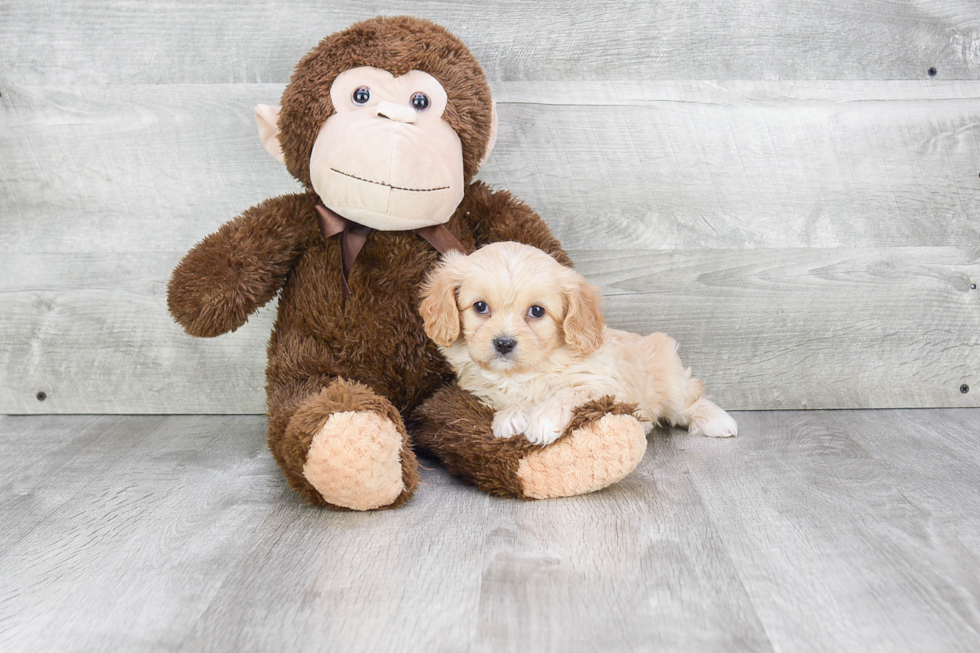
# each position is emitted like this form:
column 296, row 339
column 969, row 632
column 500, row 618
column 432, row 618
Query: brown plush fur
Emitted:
column 483, row 460
column 320, row 346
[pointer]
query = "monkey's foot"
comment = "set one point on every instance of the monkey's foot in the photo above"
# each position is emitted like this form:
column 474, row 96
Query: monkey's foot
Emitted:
column 354, row 461
column 346, row 448
column 589, row 457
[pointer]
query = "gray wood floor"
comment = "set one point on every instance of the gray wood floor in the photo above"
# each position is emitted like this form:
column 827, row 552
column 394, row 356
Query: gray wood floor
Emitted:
column 813, row 531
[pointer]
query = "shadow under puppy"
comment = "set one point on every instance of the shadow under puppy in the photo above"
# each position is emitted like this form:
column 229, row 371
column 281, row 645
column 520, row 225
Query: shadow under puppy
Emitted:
column 526, row 335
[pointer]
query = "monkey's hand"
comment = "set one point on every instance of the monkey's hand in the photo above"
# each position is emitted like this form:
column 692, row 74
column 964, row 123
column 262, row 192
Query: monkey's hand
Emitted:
column 240, row 267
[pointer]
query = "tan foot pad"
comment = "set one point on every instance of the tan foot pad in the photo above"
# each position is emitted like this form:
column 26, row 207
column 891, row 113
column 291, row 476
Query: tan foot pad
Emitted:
column 354, row 461
column 588, row 459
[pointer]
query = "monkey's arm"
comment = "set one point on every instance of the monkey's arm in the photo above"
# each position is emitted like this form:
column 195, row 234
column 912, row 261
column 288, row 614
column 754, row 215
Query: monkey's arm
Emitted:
column 497, row 216
column 601, row 444
column 240, row 267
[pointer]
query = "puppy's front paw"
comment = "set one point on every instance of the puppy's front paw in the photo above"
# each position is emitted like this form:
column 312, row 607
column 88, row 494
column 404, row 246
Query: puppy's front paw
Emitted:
column 547, row 421
column 510, row 422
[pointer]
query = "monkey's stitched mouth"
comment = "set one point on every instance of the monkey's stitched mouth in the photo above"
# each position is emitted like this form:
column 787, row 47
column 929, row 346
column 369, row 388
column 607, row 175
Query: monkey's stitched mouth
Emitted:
column 381, row 183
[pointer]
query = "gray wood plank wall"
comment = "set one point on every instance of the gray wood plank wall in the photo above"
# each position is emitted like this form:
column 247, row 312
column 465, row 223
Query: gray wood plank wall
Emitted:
column 782, row 186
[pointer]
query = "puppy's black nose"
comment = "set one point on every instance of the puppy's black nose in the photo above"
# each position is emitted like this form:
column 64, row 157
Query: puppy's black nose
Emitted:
column 504, row 345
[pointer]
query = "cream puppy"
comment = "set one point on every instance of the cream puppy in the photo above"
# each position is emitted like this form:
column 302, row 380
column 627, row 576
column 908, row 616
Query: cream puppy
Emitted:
column 526, row 335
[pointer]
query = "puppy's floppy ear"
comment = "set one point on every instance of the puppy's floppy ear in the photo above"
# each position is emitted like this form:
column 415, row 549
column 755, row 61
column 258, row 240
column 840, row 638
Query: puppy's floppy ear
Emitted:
column 584, row 320
column 438, row 308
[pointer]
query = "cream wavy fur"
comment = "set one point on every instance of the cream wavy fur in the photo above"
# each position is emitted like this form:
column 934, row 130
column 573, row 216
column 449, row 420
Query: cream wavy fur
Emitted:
column 563, row 355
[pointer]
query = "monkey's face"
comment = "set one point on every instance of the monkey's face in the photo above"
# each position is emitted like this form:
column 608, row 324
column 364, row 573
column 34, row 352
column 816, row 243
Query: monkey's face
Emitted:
column 393, row 142
column 386, row 158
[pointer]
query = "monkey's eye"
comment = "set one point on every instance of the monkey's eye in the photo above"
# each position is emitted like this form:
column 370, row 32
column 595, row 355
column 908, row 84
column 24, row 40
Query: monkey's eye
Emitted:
column 481, row 308
column 361, row 95
column 420, row 101
column 536, row 311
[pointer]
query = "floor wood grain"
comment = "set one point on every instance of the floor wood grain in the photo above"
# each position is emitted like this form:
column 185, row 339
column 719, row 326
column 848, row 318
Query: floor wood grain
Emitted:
column 812, row 531
column 814, row 519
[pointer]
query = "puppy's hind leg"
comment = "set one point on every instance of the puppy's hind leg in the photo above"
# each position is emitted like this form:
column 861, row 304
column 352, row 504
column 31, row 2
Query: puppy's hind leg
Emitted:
column 705, row 417
column 683, row 402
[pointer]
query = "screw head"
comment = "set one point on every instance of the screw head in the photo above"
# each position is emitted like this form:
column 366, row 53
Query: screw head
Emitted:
column 964, row 388
column 42, row 395
column 932, row 72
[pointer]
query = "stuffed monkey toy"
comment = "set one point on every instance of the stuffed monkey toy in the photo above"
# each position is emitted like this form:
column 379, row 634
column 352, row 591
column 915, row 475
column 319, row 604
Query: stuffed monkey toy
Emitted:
column 385, row 124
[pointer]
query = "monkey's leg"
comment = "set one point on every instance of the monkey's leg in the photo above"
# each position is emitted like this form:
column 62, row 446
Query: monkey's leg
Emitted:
column 341, row 445
column 601, row 445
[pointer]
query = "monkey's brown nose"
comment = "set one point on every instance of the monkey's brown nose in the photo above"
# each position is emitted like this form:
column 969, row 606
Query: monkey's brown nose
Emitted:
column 504, row 344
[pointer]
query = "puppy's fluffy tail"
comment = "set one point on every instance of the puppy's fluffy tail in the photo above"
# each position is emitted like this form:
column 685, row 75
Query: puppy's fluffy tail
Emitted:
column 659, row 345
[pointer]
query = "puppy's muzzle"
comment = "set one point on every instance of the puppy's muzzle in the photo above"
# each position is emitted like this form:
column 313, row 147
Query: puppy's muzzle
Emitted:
column 504, row 345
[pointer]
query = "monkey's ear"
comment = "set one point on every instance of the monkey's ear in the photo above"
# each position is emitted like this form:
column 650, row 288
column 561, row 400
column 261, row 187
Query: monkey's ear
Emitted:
column 267, row 118
column 493, row 132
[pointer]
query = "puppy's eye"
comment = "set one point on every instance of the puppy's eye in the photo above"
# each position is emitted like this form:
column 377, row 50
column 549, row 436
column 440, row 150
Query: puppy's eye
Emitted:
column 481, row 308
column 361, row 95
column 536, row 311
